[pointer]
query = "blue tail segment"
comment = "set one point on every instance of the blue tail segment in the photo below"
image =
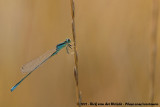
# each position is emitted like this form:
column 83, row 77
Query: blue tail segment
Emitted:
column 14, row 87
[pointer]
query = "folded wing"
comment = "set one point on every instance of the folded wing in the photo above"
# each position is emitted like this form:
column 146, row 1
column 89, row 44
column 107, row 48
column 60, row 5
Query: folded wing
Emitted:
column 35, row 63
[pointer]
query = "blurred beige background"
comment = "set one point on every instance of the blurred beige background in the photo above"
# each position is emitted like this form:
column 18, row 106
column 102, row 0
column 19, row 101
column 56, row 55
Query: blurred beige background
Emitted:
column 113, row 42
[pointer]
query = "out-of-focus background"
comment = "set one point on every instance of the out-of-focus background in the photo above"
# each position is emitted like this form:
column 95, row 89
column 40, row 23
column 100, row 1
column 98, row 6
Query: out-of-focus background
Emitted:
column 114, row 49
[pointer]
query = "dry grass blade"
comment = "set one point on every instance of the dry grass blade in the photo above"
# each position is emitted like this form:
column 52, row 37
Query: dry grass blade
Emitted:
column 153, row 46
column 75, row 53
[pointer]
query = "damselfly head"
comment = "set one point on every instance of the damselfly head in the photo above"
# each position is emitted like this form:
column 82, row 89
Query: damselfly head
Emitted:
column 68, row 40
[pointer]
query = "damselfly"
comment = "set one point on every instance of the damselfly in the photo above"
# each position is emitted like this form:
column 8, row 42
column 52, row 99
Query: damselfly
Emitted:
column 34, row 64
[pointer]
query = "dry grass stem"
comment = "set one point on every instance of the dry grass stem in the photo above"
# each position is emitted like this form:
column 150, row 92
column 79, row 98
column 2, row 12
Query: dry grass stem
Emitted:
column 153, row 46
column 75, row 53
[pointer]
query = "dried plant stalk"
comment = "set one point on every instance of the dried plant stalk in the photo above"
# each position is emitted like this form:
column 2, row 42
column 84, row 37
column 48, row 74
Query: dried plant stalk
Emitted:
column 75, row 53
column 153, row 46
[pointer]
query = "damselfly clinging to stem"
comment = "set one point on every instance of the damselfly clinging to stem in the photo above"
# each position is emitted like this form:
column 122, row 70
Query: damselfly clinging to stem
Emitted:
column 34, row 64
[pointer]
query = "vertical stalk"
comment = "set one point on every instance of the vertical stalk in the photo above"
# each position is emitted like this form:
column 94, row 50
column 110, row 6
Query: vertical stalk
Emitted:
column 153, row 46
column 75, row 53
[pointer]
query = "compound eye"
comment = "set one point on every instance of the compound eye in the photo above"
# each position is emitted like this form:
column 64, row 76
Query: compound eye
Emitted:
column 68, row 40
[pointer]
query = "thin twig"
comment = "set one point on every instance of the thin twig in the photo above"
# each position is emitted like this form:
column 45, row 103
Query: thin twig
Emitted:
column 153, row 46
column 75, row 53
